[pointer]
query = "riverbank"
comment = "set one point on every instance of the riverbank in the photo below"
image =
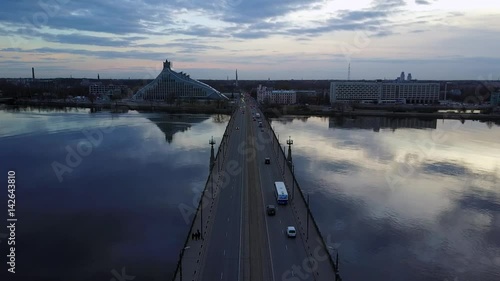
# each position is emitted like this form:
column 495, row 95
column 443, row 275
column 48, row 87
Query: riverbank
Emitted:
column 214, row 108
column 378, row 113
column 202, row 108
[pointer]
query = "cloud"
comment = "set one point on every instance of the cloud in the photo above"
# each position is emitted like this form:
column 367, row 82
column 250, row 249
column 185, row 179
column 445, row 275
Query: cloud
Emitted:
column 78, row 39
column 185, row 47
column 260, row 10
column 423, row 2
column 133, row 54
column 113, row 16
column 196, row 31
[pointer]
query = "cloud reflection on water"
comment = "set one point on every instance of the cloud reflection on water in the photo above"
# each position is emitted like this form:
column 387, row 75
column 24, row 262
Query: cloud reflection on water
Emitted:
column 439, row 221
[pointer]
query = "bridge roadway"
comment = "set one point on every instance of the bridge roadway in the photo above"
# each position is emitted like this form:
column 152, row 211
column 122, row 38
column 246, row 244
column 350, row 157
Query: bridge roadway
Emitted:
column 244, row 243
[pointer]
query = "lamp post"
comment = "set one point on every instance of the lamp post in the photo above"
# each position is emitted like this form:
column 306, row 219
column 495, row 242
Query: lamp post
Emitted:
column 181, row 255
column 289, row 141
column 293, row 181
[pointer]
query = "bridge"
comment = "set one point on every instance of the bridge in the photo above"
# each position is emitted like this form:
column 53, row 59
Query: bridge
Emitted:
column 238, row 239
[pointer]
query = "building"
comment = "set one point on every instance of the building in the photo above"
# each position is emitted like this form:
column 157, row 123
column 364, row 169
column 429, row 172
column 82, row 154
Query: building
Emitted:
column 173, row 85
column 269, row 95
column 98, row 89
column 378, row 123
column 384, row 92
column 495, row 99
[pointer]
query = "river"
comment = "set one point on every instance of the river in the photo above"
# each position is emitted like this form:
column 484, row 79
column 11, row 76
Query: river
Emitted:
column 98, row 194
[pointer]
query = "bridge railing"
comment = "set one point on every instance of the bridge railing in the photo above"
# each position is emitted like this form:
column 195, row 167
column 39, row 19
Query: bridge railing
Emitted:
column 287, row 172
column 213, row 170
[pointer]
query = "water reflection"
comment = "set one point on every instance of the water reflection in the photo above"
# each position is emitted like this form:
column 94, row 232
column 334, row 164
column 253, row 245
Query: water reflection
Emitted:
column 413, row 204
column 119, row 206
column 377, row 123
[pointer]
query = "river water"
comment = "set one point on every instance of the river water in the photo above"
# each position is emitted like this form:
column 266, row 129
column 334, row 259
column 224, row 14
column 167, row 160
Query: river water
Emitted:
column 403, row 199
column 98, row 194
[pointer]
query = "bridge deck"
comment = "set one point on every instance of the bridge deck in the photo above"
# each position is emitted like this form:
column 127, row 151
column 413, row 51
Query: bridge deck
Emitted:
column 240, row 241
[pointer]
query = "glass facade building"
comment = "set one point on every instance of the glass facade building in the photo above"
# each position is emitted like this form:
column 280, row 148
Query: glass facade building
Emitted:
column 174, row 85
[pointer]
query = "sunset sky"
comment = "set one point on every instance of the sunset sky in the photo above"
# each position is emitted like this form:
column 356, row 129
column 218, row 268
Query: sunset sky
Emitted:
column 276, row 39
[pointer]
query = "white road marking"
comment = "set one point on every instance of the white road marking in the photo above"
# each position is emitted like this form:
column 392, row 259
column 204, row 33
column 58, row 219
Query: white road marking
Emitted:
column 222, row 273
column 286, row 247
column 224, row 252
column 227, row 218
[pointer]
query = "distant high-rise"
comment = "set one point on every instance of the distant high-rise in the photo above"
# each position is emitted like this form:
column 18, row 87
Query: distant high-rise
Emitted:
column 409, row 77
column 33, row 73
column 236, row 83
column 98, row 78
column 402, row 76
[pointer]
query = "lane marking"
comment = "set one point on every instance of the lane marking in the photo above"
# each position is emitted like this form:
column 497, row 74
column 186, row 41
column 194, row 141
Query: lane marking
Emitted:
column 286, row 247
column 221, row 274
column 224, row 252
column 265, row 220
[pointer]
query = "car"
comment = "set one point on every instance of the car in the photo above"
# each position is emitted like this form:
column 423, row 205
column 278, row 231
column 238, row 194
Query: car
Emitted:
column 271, row 210
column 290, row 232
column 237, row 128
column 267, row 160
column 262, row 130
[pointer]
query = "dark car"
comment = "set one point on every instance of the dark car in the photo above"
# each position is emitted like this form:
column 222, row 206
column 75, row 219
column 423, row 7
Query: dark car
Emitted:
column 267, row 161
column 271, row 210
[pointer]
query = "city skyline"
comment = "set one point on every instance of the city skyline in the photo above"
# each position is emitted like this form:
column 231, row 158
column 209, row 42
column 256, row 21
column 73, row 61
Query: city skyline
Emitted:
column 282, row 39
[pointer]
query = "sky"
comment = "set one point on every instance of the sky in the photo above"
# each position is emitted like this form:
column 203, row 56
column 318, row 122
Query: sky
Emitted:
column 263, row 39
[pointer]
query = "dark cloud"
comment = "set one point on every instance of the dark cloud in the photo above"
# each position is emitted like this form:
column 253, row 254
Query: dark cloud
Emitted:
column 374, row 19
column 197, row 31
column 116, row 17
column 183, row 47
column 423, row 2
column 134, row 54
column 79, row 39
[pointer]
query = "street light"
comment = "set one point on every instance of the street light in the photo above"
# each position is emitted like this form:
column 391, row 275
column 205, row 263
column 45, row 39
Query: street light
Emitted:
column 293, row 181
column 182, row 254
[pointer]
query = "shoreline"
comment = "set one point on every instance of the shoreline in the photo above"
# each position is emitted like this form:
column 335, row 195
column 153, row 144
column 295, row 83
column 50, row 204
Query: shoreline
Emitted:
column 426, row 115
column 212, row 109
